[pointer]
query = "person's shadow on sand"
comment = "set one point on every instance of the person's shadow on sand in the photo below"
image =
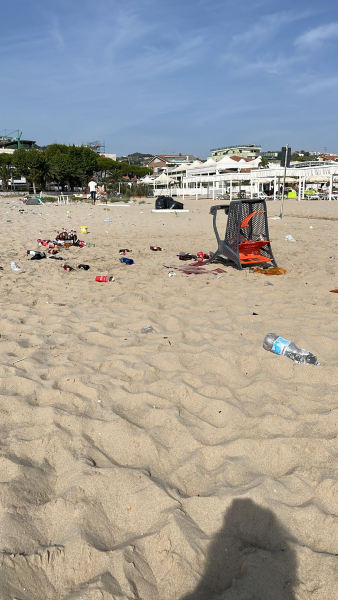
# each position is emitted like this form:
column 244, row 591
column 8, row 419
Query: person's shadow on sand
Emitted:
column 249, row 559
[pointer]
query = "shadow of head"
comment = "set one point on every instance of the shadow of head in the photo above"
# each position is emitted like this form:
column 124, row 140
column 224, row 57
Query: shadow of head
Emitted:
column 249, row 559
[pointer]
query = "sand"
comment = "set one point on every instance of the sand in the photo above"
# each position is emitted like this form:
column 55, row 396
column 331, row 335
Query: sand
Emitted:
column 183, row 464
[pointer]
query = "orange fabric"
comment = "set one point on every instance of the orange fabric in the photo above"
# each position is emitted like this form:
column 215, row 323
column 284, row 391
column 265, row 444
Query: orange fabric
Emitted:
column 245, row 222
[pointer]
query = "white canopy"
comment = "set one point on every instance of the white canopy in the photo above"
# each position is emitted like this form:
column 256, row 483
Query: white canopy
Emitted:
column 209, row 163
column 195, row 165
column 227, row 162
column 147, row 179
column 163, row 178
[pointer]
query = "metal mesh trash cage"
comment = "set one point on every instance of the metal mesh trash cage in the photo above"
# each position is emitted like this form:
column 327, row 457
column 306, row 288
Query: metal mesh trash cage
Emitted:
column 246, row 240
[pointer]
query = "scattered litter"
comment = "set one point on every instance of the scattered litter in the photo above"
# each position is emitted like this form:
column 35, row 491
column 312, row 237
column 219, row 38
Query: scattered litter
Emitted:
column 268, row 283
column 19, row 360
column 289, row 238
column 147, row 329
column 171, row 273
column 311, row 227
column 124, row 251
column 196, row 270
column 127, row 261
column 104, row 278
column 279, row 345
column 271, row 271
column 67, row 268
column 218, row 276
column 334, row 291
column 84, row 229
column 156, row 248
column 37, row 255
column 107, row 221
column 84, row 267
column 186, row 256
column 15, row 266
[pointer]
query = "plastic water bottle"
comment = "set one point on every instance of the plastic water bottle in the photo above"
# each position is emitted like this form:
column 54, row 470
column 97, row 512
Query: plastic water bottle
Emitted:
column 279, row 345
column 147, row 329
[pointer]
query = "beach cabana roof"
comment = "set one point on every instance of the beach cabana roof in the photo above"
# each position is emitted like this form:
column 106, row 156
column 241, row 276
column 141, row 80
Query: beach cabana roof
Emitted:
column 163, row 178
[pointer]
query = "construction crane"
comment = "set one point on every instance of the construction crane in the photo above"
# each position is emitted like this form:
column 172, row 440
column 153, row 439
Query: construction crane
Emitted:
column 4, row 136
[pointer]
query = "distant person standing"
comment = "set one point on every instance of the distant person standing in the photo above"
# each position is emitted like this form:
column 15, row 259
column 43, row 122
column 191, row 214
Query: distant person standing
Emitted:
column 92, row 188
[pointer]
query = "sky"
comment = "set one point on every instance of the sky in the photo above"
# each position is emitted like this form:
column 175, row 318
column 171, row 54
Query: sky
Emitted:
column 160, row 76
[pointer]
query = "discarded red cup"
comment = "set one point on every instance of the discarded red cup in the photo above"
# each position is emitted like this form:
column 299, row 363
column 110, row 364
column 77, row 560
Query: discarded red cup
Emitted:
column 156, row 248
column 124, row 251
column 104, row 278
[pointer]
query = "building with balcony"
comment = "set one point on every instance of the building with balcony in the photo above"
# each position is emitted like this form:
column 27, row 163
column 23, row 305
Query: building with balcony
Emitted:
column 251, row 151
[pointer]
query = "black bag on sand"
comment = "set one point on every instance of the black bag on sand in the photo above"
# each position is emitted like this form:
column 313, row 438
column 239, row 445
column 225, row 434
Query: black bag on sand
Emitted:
column 174, row 205
column 161, row 203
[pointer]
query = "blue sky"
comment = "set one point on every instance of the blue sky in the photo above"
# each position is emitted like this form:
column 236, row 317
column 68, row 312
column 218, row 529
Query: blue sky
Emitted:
column 171, row 76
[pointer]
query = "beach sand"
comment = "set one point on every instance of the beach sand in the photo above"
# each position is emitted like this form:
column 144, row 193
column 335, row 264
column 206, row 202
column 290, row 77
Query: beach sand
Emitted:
column 183, row 464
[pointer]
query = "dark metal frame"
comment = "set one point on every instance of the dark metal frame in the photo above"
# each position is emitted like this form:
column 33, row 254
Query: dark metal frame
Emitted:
column 256, row 231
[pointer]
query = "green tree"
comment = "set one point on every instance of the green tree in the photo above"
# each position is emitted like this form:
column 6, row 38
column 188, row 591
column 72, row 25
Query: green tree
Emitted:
column 32, row 164
column 6, row 170
column 58, row 156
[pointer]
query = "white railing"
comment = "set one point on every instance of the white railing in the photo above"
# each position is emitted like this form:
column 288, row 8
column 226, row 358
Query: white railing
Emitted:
column 182, row 192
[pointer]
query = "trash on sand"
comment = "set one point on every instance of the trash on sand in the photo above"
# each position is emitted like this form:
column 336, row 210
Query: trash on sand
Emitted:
column 156, row 248
column 67, row 268
column 107, row 221
column 334, row 291
column 127, row 261
column 268, row 283
column 218, row 276
column 84, row 229
column 186, row 256
column 147, row 329
column 289, row 238
column 84, row 267
column 278, row 345
column 171, row 273
column 104, row 278
column 38, row 256
column 15, row 266
column 271, row 271
column 124, row 251
column 19, row 360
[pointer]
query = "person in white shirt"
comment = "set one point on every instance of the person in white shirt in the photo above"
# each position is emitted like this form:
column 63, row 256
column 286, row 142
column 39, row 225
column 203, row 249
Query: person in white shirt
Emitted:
column 92, row 188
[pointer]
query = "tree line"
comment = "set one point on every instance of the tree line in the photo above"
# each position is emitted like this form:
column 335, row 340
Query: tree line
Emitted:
column 64, row 165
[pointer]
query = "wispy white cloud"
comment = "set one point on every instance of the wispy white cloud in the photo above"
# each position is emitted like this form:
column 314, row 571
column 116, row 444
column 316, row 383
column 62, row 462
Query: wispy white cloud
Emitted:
column 316, row 36
column 55, row 31
column 319, row 86
column 267, row 27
